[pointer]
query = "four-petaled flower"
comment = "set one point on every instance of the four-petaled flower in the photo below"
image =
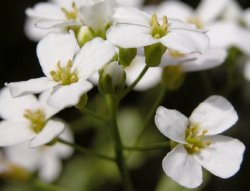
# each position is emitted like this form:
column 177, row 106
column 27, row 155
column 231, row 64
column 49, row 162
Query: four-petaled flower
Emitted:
column 66, row 68
column 197, row 142
column 27, row 118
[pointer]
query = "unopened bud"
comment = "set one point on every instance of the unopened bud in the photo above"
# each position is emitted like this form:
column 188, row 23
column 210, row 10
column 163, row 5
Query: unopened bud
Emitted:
column 112, row 79
column 84, row 35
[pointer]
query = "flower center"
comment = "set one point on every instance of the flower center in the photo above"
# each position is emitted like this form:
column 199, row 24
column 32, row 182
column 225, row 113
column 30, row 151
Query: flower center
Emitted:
column 196, row 21
column 158, row 30
column 194, row 141
column 64, row 75
column 71, row 15
column 37, row 119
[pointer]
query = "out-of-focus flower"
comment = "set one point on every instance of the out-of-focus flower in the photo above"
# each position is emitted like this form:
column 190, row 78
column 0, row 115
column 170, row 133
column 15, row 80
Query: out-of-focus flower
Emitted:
column 197, row 142
column 27, row 118
column 66, row 68
column 44, row 159
column 134, row 29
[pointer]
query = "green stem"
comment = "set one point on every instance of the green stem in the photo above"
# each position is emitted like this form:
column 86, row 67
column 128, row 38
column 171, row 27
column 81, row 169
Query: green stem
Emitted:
column 87, row 151
column 93, row 114
column 155, row 146
column 151, row 113
column 129, row 88
column 113, row 103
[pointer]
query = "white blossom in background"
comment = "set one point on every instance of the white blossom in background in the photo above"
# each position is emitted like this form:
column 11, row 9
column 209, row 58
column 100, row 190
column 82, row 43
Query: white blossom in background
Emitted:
column 44, row 159
column 130, row 3
column 134, row 28
column 198, row 143
column 66, row 68
column 27, row 118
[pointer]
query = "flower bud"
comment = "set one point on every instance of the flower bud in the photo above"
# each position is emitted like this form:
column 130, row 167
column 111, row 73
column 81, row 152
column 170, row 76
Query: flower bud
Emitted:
column 126, row 55
column 153, row 54
column 112, row 79
column 84, row 35
column 173, row 77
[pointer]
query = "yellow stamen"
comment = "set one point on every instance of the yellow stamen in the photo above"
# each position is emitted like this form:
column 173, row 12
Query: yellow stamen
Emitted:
column 71, row 15
column 37, row 119
column 158, row 30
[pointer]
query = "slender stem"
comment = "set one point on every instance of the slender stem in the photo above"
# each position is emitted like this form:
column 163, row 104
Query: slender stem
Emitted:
column 129, row 88
column 87, row 151
column 151, row 113
column 93, row 114
column 155, row 146
column 113, row 103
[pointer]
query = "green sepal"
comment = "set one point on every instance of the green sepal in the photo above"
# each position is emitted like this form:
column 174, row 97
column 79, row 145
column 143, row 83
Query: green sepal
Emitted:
column 153, row 54
column 83, row 101
column 126, row 55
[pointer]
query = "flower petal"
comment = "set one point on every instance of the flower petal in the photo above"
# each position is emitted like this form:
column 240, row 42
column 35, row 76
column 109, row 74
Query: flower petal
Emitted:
column 133, row 16
column 67, row 96
column 170, row 8
column 14, row 108
column 54, row 48
column 32, row 86
column 50, row 167
column 44, row 10
column 149, row 80
column 14, row 132
column 171, row 123
column 222, row 157
column 182, row 167
column 186, row 41
column 92, row 56
column 51, row 130
column 211, row 58
column 215, row 114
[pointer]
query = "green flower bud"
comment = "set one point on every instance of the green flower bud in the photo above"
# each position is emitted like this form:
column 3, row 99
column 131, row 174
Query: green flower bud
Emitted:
column 126, row 56
column 84, row 35
column 112, row 79
column 153, row 54
column 173, row 77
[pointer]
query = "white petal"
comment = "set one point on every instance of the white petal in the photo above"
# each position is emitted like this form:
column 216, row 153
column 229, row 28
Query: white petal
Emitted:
column 171, row 123
column 130, row 36
column 246, row 17
column 50, row 167
column 51, row 130
column 46, row 11
column 32, row 86
column 56, row 24
column 209, row 10
column 56, row 47
column 14, row 108
column 131, row 3
column 186, row 41
column 14, row 132
column 67, row 96
column 182, row 167
column 92, row 56
column 43, row 101
column 97, row 21
column 132, row 16
column 170, row 8
column 22, row 155
column 213, row 57
column 149, row 80
column 215, row 115
column 222, row 157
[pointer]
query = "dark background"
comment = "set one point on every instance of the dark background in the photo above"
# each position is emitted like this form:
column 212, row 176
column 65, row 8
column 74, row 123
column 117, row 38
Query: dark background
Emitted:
column 18, row 61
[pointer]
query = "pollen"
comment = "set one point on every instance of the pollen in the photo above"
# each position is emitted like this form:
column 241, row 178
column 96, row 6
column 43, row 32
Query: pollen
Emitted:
column 64, row 75
column 194, row 139
column 71, row 15
column 158, row 30
column 37, row 119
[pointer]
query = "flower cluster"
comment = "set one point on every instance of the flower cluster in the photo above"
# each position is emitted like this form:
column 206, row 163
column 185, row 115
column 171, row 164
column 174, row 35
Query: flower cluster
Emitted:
column 120, row 49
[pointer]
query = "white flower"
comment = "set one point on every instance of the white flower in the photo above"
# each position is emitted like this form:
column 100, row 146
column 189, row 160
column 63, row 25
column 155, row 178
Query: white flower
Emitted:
column 198, row 143
column 66, row 68
column 27, row 118
column 131, row 3
column 45, row 159
column 136, row 29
